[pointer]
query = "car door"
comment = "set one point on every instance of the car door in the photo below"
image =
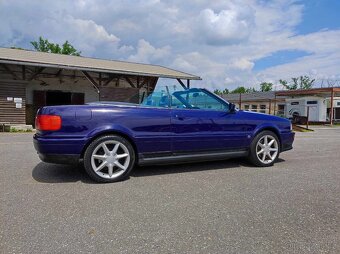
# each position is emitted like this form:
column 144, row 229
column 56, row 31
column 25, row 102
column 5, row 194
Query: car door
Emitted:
column 204, row 123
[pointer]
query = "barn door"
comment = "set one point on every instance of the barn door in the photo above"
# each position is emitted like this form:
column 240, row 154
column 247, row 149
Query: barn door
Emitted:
column 77, row 99
column 39, row 98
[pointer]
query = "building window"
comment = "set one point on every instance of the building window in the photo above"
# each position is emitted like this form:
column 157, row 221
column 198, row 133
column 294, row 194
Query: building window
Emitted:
column 280, row 110
column 254, row 107
column 312, row 102
column 295, row 103
column 263, row 108
column 338, row 103
column 246, row 107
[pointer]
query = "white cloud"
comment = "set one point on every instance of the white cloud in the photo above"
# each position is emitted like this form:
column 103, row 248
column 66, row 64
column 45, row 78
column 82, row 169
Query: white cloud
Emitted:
column 229, row 26
column 218, row 40
column 146, row 53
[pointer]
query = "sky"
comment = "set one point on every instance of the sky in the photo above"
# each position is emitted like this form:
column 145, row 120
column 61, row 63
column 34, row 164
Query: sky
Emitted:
column 226, row 42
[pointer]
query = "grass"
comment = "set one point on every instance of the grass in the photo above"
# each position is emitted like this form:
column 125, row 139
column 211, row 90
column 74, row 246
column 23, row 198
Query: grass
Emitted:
column 14, row 130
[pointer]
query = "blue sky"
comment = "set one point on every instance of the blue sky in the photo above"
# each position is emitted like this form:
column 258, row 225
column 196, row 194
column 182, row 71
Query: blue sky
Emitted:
column 226, row 42
column 319, row 14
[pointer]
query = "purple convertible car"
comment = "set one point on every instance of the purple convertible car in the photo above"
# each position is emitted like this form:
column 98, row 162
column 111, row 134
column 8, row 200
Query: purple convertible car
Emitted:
column 110, row 138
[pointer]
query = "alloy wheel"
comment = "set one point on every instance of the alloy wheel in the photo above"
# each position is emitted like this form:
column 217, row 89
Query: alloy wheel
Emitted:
column 110, row 159
column 267, row 149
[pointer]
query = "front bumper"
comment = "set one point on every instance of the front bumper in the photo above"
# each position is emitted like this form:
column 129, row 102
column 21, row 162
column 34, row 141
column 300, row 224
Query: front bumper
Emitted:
column 287, row 140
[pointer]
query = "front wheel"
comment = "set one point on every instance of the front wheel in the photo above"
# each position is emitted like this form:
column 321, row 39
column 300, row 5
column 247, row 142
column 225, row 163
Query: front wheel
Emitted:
column 109, row 159
column 264, row 149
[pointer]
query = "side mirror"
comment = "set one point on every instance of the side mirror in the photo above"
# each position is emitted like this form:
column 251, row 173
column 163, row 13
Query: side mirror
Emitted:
column 232, row 108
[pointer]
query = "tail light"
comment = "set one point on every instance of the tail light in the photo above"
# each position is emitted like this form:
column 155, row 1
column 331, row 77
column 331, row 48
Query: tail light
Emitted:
column 48, row 122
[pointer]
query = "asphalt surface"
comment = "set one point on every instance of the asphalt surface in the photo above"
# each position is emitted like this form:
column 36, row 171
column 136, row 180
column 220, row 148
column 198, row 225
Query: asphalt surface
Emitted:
column 214, row 207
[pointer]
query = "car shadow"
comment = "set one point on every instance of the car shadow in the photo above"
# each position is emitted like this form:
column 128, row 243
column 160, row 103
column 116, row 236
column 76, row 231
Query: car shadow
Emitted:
column 55, row 173
column 193, row 167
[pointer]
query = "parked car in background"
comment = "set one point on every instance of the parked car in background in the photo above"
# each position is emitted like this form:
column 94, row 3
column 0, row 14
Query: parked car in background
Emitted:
column 110, row 138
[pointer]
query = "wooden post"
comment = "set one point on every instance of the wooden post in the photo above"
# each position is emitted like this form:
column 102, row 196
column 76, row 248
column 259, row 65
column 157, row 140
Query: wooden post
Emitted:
column 23, row 72
column 332, row 107
column 270, row 106
column 307, row 124
column 275, row 105
column 240, row 101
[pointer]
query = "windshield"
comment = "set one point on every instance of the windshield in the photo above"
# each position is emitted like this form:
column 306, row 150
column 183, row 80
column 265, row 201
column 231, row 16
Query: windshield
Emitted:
column 193, row 98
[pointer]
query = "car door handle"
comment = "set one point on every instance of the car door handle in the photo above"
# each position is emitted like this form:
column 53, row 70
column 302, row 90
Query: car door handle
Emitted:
column 179, row 117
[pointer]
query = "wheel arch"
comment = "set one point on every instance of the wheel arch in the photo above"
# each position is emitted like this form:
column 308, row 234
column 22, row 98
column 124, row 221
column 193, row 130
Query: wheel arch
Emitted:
column 271, row 128
column 110, row 132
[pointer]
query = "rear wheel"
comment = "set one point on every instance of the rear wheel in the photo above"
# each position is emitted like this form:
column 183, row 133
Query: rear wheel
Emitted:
column 264, row 149
column 109, row 159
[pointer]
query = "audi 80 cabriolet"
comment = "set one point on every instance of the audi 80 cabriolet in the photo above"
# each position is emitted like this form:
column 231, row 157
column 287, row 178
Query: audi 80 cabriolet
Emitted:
column 110, row 138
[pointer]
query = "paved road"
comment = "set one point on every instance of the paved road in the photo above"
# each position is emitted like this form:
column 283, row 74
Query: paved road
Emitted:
column 215, row 207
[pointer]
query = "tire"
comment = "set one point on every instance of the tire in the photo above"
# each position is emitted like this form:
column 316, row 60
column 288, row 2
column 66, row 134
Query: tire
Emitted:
column 109, row 158
column 263, row 159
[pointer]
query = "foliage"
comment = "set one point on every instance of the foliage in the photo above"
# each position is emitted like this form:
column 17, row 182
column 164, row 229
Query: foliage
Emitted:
column 242, row 89
column 302, row 82
column 44, row 45
column 265, row 87
column 219, row 92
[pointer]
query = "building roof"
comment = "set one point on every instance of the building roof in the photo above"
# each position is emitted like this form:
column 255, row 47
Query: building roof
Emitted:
column 256, row 96
column 34, row 58
column 313, row 91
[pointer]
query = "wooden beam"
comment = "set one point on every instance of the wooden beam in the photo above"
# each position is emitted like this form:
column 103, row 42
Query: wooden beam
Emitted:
column 129, row 81
column 9, row 71
column 188, row 83
column 35, row 74
column 92, row 81
column 154, row 83
column 138, row 81
column 182, row 84
column 23, row 68
column 111, row 77
column 240, row 101
column 146, row 79
column 58, row 73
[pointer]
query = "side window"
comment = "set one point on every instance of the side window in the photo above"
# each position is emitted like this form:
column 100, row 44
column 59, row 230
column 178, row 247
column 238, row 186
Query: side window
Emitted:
column 197, row 100
column 157, row 99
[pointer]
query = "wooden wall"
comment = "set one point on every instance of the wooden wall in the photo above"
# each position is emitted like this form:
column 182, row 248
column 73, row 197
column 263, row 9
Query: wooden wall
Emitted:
column 8, row 111
column 127, row 94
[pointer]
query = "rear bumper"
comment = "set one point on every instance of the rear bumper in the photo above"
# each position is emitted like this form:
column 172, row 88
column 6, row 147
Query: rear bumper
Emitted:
column 287, row 140
column 59, row 150
column 58, row 145
column 60, row 158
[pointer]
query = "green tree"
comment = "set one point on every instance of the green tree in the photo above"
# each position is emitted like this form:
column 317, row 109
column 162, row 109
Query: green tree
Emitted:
column 303, row 82
column 217, row 91
column 285, row 84
column 225, row 91
column 242, row 89
column 44, row 45
column 265, row 87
